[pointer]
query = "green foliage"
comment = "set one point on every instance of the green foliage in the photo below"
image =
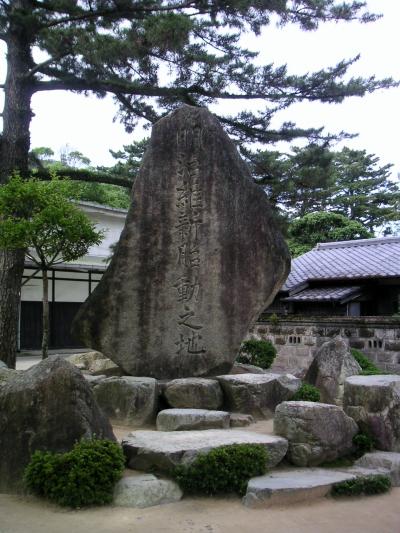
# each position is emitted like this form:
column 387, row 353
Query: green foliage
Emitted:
column 307, row 393
column 364, row 443
column 308, row 231
column 86, row 475
column 376, row 484
column 274, row 319
column 40, row 216
column 223, row 470
column 368, row 368
column 258, row 353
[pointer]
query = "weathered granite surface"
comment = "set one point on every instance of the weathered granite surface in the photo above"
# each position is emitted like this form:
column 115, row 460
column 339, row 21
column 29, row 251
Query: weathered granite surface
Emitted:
column 193, row 393
column 257, row 394
column 198, row 260
column 95, row 363
column 159, row 450
column 187, row 419
column 145, row 491
column 333, row 363
column 48, row 407
column 388, row 460
column 127, row 399
column 317, row 432
column 374, row 403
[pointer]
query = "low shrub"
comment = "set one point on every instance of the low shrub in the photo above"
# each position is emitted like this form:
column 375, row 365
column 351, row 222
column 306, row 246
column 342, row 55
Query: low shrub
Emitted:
column 377, row 484
column 223, row 470
column 258, row 353
column 364, row 443
column 307, row 393
column 86, row 475
column 368, row 368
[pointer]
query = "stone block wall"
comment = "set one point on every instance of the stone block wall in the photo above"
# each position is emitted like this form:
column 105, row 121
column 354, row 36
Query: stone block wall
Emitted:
column 297, row 338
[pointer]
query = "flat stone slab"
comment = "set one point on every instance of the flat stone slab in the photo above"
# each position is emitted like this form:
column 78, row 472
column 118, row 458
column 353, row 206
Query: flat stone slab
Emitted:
column 145, row 491
column 187, row 419
column 296, row 485
column 388, row 460
column 147, row 450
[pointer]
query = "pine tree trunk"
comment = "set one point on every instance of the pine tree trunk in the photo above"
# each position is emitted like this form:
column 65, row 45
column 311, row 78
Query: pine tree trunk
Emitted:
column 46, row 328
column 14, row 153
column 11, row 267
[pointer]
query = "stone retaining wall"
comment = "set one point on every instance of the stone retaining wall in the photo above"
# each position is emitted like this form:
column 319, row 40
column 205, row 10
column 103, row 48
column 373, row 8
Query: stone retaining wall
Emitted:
column 297, row 339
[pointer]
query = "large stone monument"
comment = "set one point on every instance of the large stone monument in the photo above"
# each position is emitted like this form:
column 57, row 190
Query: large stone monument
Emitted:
column 198, row 260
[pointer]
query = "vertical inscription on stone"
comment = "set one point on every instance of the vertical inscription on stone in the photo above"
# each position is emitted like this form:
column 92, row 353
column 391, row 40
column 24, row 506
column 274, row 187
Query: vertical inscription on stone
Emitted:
column 187, row 234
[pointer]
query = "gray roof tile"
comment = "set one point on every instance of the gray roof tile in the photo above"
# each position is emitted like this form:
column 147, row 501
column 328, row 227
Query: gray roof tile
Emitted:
column 366, row 258
column 325, row 294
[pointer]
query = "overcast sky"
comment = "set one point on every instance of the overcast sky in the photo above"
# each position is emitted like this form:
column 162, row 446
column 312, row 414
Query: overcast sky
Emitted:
column 86, row 124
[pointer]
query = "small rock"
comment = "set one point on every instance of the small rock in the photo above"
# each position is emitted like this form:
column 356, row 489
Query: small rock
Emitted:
column 388, row 460
column 95, row 363
column 186, row 419
column 239, row 420
column 127, row 399
column 145, row 491
column 333, row 363
column 258, row 394
column 244, row 368
column 317, row 432
column 194, row 393
column 374, row 403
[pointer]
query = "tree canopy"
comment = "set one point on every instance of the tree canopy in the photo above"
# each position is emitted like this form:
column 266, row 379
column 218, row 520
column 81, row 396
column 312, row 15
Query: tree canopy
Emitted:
column 39, row 218
column 308, row 231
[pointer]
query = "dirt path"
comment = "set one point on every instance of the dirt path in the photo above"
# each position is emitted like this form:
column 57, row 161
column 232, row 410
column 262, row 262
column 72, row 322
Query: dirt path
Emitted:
column 378, row 514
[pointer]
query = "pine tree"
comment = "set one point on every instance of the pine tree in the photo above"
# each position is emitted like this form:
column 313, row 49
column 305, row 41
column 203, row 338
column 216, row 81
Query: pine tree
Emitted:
column 152, row 55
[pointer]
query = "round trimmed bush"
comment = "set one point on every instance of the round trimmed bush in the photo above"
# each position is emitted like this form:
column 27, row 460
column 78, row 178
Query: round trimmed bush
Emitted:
column 307, row 393
column 258, row 353
column 86, row 475
column 223, row 470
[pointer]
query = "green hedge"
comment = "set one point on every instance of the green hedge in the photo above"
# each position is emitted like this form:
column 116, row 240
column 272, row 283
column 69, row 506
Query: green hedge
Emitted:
column 223, row 470
column 258, row 353
column 86, row 475
column 307, row 393
column 377, row 484
column 368, row 368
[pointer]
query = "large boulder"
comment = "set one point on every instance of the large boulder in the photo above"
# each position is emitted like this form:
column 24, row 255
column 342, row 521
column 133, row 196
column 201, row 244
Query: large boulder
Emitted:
column 374, row 403
column 199, row 258
column 317, row 432
column 163, row 450
column 194, row 393
column 128, row 400
column 48, row 407
column 332, row 364
column 257, row 394
column 186, row 419
column 95, row 363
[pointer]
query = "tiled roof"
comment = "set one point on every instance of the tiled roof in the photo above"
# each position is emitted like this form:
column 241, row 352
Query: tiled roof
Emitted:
column 325, row 294
column 347, row 260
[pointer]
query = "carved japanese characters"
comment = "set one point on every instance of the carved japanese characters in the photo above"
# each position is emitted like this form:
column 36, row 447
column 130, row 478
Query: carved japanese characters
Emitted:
column 198, row 260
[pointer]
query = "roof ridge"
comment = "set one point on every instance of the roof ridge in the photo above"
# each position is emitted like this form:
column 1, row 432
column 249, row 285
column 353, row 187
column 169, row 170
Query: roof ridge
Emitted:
column 356, row 242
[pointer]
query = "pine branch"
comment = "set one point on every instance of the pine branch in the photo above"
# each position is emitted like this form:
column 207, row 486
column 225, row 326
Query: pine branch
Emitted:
column 75, row 174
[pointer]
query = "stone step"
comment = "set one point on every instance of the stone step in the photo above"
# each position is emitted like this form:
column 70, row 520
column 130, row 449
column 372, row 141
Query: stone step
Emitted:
column 148, row 450
column 145, row 490
column 296, row 485
column 191, row 419
column 388, row 460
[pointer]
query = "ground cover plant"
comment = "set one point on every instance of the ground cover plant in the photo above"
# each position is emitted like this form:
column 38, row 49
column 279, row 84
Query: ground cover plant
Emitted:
column 368, row 368
column 84, row 476
column 223, row 470
column 369, row 485
column 258, row 353
column 307, row 393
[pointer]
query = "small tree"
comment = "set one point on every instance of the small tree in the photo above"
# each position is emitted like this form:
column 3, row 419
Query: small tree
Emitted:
column 39, row 218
